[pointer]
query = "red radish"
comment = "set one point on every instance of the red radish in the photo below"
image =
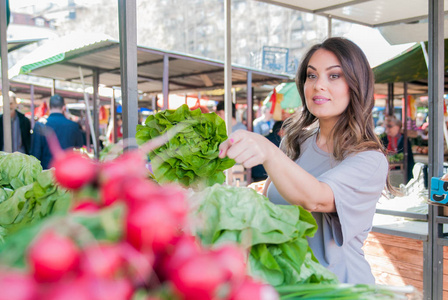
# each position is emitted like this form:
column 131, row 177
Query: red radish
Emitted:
column 139, row 266
column 104, row 260
column 52, row 256
column 86, row 205
column 17, row 286
column 254, row 290
column 107, row 289
column 184, row 248
column 112, row 190
column 129, row 164
column 175, row 199
column 77, row 289
column 139, row 191
column 151, row 227
column 72, row 170
column 199, row 278
column 233, row 260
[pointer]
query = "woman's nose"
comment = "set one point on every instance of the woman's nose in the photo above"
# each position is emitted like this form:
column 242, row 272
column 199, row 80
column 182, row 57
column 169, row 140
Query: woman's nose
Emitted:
column 319, row 84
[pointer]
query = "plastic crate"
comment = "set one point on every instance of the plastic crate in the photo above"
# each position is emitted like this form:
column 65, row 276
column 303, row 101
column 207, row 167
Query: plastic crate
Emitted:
column 439, row 191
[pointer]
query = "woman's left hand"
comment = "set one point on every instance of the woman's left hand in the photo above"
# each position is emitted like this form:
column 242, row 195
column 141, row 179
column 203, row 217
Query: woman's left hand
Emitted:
column 247, row 148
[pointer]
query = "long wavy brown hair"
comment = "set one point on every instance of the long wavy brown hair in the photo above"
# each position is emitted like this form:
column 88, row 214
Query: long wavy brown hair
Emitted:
column 354, row 131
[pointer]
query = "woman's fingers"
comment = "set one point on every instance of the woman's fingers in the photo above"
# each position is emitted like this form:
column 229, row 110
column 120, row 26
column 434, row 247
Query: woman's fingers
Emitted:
column 233, row 138
column 244, row 147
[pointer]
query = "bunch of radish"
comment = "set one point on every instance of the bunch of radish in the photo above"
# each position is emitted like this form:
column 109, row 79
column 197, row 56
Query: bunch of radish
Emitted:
column 156, row 257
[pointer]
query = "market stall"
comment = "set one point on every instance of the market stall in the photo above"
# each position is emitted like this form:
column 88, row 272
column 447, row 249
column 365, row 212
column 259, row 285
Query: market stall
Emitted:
column 122, row 228
column 93, row 59
column 432, row 240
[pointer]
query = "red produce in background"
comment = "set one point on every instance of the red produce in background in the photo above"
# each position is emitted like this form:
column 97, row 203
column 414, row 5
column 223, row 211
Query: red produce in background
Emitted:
column 52, row 256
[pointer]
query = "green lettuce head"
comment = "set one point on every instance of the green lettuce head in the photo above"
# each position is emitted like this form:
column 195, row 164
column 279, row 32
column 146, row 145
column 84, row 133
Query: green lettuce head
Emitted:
column 190, row 158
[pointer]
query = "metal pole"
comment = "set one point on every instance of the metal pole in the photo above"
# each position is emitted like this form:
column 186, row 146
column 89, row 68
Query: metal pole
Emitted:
column 330, row 27
column 250, row 117
column 250, row 102
column 405, row 134
column 433, row 262
column 165, row 83
column 113, row 118
column 96, row 121
column 390, row 99
column 228, row 76
column 127, row 17
column 154, row 103
column 32, row 105
column 7, row 135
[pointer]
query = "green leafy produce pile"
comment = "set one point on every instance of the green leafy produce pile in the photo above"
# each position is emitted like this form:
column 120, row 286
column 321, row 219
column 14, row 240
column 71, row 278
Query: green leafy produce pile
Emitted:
column 275, row 234
column 190, row 158
column 26, row 192
column 343, row 291
column 104, row 226
column 395, row 158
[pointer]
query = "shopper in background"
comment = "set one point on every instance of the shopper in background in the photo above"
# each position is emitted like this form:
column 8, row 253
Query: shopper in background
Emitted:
column 275, row 136
column 235, row 123
column 264, row 123
column 330, row 161
column 20, row 128
column 68, row 132
column 393, row 141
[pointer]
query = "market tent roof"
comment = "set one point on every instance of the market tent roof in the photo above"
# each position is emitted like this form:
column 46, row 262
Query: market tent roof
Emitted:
column 409, row 66
column 60, row 59
column 17, row 44
column 374, row 13
column 291, row 98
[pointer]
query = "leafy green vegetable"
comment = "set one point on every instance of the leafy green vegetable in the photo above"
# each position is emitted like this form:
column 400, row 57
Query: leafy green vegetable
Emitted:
column 27, row 193
column 17, row 169
column 314, row 291
column 395, row 158
column 191, row 156
column 106, row 225
column 275, row 234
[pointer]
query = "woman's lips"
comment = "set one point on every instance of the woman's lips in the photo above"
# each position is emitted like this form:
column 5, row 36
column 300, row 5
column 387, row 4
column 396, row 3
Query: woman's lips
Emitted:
column 320, row 100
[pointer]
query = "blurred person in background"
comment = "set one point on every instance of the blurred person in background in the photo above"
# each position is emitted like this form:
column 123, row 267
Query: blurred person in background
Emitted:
column 264, row 123
column 68, row 132
column 275, row 136
column 379, row 128
column 20, row 128
column 393, row 141
column 235, row 124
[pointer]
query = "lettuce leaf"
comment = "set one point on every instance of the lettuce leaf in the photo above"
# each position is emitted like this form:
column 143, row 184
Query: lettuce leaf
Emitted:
column 27, row 193
column 17, row 169
column 275, row 235
column 190, row 158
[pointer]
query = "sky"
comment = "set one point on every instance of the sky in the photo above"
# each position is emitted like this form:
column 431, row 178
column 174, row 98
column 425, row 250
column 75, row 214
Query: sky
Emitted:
column 376, row 48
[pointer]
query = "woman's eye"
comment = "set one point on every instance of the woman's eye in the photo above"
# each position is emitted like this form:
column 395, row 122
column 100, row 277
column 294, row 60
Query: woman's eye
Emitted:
column 335, row 76
column 310, row 76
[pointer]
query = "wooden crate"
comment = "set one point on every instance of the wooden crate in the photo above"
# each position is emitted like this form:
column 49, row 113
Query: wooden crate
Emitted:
column 398, row 261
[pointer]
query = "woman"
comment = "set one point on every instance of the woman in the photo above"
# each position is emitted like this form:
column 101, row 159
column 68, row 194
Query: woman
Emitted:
column 393, row 141
column 332, row 163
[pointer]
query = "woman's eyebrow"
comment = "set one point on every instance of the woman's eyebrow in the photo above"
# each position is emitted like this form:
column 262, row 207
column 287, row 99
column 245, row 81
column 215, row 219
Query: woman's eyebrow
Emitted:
column 329, row 68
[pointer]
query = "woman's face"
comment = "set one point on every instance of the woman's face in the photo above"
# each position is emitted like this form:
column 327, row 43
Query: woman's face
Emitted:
column 326, row 90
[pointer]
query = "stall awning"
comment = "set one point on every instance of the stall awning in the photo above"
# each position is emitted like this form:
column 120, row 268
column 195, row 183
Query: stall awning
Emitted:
column 374, row 13
column 410, row 66
column 291, row 98
column 61, row 59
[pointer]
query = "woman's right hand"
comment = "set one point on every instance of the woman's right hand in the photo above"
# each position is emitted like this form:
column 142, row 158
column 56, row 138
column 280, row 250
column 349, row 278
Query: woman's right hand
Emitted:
column 247, row 148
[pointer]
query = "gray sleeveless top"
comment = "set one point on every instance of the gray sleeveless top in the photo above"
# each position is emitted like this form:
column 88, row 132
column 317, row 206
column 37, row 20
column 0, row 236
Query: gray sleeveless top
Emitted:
column 357, row 183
